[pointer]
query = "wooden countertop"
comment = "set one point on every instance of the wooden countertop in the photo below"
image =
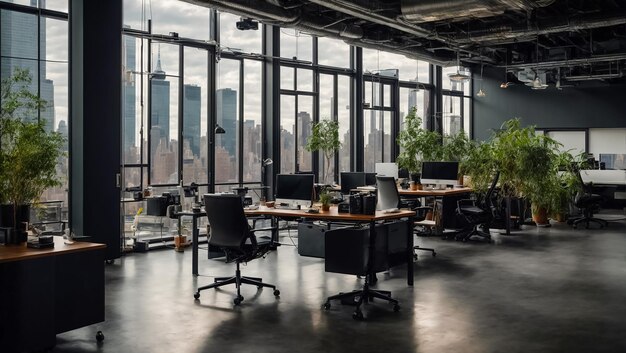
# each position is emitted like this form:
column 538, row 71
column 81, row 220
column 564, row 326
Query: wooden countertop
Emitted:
column 9, row 253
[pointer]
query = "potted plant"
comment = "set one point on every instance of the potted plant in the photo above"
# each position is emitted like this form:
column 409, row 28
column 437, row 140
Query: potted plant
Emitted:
column 416, row 145
column 325, row 137
column 325, row 198
column 28, row 153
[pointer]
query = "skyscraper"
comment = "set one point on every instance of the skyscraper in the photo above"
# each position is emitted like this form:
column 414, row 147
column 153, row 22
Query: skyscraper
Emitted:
column 226, row 104
column 19, row 49
column 191, row 117
column 160, row 108
column 129, row 93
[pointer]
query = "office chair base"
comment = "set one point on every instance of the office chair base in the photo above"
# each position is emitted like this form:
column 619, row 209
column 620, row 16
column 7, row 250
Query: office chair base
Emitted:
column 587, row 220
column 361, row 296
column 474, row 232
column 238, row 280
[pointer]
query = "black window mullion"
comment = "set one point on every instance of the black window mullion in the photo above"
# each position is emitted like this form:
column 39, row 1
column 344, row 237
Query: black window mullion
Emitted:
column 240, row 119
column 181, row 111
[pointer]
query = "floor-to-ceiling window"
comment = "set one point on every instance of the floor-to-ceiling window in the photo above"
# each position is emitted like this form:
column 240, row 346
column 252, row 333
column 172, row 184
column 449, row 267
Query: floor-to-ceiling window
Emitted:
column 34, row 35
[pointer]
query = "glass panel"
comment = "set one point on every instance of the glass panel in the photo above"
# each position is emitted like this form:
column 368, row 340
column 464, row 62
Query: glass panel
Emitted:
column 195, row 116
column 467, row 116
column 287, row 134
column 372, row 93
column 387, row 95
column 411, row 97
column 451, row 115
column 164, row 115
column 252, row 138
column 326, row 111
column 304, row 120
column 343, row 117
column 295, row 45
column 386, row 136
column 57, row 5
column 333, row 52
column 32, row 3
column 373, row 139
column 286, row 78
column 190, row 21
column 305, row 80
column 248, row 41
column 133, row 113
column 19, row 33
column 227, row 105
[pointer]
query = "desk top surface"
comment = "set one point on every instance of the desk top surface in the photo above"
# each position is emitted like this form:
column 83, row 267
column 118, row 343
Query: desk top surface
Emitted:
column 444, row 192
column 331, row 214
column 9, row 253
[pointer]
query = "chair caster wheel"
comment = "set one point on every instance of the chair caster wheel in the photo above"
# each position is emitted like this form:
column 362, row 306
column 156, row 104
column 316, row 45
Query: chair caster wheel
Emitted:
column 276, row 293
column 238, row 300
column 196, row 295
column 109, row 262
column 434, row 254
column 357, row 315
column 99, row 336
column 414, row 257
column 326, row 306
column 396, row 308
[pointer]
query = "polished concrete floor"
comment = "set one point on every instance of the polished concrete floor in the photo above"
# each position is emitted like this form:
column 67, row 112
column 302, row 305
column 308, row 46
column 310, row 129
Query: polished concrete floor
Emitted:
column 540, row 290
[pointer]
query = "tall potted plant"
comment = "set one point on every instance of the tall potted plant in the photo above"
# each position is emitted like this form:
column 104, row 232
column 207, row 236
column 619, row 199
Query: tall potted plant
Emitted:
column 325, row 137
column 457, row 148
column 417, row 144
column 28, row 153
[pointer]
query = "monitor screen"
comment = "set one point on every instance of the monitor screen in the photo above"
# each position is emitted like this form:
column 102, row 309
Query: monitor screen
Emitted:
column 613, row 161
column 351, row 180
column 440, row 173
column 294, row 187
column 387, row 169
column 370, row 179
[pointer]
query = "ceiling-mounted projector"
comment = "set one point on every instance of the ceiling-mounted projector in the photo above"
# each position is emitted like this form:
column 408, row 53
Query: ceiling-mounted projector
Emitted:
column 247, row 24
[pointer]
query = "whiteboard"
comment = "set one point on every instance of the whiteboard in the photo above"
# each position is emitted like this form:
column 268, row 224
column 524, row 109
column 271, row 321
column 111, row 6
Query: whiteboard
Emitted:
column 573, row 141
column 607, row 141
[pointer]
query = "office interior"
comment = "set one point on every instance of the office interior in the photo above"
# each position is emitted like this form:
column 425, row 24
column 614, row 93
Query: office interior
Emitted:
column 159, row 96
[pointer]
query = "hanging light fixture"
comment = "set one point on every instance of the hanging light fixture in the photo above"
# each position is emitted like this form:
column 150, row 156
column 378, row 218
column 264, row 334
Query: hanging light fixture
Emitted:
column 481, row 93
column 536, row 83
column 458, row 76
column 506, row 83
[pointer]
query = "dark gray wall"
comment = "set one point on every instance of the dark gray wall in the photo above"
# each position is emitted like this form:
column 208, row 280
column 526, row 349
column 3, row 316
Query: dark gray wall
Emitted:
column 596, row 105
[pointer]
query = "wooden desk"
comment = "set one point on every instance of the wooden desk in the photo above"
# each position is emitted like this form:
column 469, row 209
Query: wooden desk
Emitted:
column 332, row 215
column 449, row 198
column 49, row 291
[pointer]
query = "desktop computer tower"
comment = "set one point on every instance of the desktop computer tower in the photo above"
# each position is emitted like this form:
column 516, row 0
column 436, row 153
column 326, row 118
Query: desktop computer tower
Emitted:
column 311, row 238
column 356, row 204
column 369, row 204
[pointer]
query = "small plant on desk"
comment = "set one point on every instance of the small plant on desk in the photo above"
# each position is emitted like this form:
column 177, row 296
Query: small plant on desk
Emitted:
column 325, row 198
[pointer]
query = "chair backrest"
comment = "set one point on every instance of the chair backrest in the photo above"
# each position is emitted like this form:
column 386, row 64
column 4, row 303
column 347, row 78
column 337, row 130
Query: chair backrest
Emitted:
column 229, row 226
column 489, row 205
column 387, row 193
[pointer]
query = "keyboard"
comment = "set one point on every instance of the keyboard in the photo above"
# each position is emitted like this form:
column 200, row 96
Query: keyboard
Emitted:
column 391, row 210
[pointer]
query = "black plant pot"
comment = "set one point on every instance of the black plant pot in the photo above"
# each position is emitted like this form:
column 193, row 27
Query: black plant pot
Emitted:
column 6, row 215
column 12, row 236
column 416, row 178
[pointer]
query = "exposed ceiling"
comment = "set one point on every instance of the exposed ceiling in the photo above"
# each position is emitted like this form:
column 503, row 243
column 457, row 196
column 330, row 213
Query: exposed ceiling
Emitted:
column 570, row 40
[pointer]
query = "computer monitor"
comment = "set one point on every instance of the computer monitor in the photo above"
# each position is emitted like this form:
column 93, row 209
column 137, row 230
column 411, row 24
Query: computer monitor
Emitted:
column 370, row 179
column 387, row 169
column 294, row 189
column 440, row 173
column 351, row 180
column 613, row 161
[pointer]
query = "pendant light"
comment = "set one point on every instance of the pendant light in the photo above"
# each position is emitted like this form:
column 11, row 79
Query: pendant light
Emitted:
column 458, row 76
column 481, row 93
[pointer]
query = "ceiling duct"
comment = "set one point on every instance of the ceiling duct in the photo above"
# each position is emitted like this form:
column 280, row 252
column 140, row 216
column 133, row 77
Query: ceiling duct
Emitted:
column 594, row 77
column 419, row 11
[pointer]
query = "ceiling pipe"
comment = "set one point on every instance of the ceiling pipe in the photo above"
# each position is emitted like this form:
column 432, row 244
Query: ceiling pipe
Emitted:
column 594, row 77
column 317, row 26
column 569, row 62
column 419, row 11
column 509, row 33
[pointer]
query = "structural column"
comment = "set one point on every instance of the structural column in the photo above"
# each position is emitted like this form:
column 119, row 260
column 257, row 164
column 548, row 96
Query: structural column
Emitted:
column 95, row 125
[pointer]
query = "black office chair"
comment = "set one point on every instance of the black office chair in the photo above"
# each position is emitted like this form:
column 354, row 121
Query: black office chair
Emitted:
column 230, row 232
column 587, row 202
column 389, row 198
column 353, row 251
column 478, row 213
